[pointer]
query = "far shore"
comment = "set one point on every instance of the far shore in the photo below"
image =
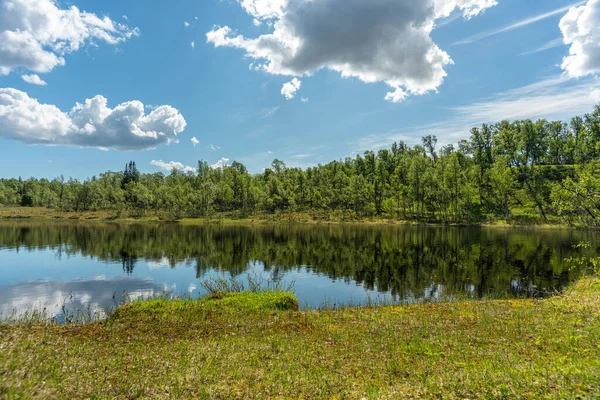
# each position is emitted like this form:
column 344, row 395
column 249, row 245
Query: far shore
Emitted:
column 296, row 218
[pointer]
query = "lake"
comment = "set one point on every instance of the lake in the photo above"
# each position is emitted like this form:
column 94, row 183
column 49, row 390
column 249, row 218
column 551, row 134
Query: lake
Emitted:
column 75, row 265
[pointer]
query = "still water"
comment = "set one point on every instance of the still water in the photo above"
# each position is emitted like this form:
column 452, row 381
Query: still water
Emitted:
column 48, row 265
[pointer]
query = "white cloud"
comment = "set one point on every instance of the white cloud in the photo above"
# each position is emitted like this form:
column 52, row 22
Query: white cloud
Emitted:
column 556, row 98
column 289, row 89
column 553, row 98
column 164, row 262
column 264, row 9
column 195, row 141
column 546, row 46
column 517, row 25
column 304, row 99
column 193, row 44
column 300, row 156
column 186, row 24
column 269, row 112
column 170, row 166
column 33, row 79
column 374, row 41
column 214, row 147
column 125, row 17
column 77, row 294
column 596, row 96
column 580, row 28
column 222, row 163
column 37, row 34
column 397, row 96
column 468, row 8
column 91, row 124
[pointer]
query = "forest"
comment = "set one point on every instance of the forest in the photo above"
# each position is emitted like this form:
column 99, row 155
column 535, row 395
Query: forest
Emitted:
column 523, row 171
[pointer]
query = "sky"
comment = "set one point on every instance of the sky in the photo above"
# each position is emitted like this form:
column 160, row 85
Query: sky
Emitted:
column 86, row 86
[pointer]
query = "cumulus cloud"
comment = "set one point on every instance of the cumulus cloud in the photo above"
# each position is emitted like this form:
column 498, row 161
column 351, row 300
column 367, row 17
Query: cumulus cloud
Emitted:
column 193, row 44
column 195, row 141
column 469, row 8
column 375, row 41
column 37, row 34
column 289, row 89
column 91, row 124
column 171, row 165
column 33, row 79
column 580, row 28
column 264, row 9
column 397, row 96
column 304, row 99
column 222, row 163
column 186, row 24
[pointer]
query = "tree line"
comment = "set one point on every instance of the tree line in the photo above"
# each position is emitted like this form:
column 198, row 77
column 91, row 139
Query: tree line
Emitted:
column 542, row 170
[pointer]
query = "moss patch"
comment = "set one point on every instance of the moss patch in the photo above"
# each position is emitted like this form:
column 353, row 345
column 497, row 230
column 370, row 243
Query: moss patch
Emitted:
column 229, row 302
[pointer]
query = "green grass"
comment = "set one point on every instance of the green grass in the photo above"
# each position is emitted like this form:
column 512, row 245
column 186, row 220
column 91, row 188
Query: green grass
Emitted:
column 256, row 345
column 519, row 219
column 164, row 308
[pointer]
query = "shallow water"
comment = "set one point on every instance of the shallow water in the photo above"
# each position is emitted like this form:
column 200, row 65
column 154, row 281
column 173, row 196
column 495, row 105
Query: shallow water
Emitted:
column 51, row 265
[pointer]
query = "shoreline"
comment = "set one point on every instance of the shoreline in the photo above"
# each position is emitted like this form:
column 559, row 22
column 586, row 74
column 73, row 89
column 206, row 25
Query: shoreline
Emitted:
column 43, row 214
column 241, row 345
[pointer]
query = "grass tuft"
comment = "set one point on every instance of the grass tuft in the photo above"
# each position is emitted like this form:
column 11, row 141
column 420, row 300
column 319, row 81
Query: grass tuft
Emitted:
column 165, row 308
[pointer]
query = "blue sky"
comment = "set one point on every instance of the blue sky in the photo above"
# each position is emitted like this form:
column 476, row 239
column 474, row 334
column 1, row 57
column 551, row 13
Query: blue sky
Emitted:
column 509, row 60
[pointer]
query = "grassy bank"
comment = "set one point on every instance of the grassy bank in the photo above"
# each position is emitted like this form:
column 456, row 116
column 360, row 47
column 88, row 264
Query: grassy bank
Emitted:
column 40, row 213
column 259, row 346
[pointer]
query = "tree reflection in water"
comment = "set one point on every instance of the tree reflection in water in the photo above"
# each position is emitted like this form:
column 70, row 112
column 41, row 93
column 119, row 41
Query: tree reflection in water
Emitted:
column 408, row 262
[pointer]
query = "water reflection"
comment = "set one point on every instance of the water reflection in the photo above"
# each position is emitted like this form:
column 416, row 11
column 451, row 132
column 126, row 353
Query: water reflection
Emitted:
column 59, row 298
column 406, row 263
